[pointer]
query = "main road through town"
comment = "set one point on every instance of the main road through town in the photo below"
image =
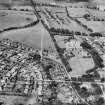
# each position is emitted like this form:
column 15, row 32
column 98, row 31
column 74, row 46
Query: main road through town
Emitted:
column 63, row 60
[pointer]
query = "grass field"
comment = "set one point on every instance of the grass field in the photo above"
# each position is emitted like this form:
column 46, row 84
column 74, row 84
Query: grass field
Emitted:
column 15, row 18
column 77, row 12
column 96, row 26
column 30, row 36
column 80, row 65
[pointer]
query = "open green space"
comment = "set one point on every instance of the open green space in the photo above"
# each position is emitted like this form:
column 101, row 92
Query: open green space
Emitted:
column 30, row 36
column 15, row 18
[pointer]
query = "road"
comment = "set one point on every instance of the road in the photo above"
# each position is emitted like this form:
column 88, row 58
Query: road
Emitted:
column 61, row 55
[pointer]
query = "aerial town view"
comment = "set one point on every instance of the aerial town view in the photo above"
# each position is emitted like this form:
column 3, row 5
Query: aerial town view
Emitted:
column 52, row 52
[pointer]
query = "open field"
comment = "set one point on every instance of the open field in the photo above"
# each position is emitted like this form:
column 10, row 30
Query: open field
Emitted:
column 14, row 99
column 96, row 26
column 30, row 36
column 99, row 14
column 77, row 12
column 60, row 41
column 17, row 7
column 80, row 65
column 3, row 7
column 15, row 18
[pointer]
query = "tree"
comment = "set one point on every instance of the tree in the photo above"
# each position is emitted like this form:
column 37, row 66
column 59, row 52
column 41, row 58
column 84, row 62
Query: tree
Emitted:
column 86, row 16
column 100, row 101
column 84, row 92
column 1, row 103
column 85, row 45
column 97, row 89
